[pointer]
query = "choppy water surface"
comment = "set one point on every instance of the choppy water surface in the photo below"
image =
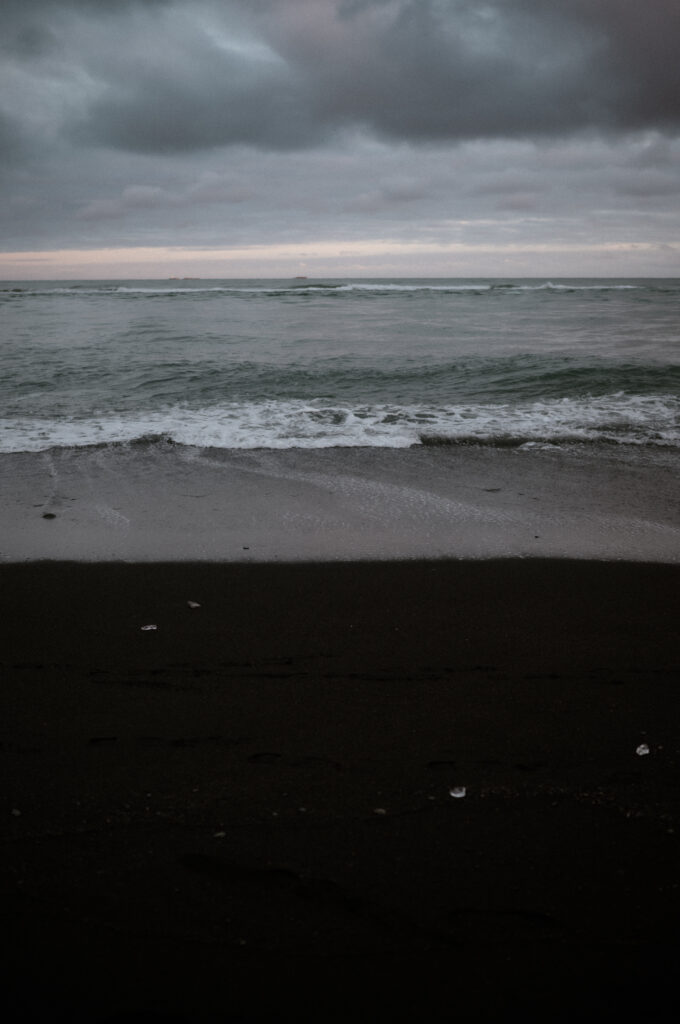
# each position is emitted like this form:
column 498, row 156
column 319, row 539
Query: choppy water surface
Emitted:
column 316, row 364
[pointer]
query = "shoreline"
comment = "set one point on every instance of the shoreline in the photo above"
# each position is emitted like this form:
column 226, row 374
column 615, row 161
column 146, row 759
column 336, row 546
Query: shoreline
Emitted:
column 157, row 503
column 415, row 785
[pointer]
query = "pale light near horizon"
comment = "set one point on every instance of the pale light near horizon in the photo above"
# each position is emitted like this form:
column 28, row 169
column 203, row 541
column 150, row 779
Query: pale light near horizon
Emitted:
column 366, row 257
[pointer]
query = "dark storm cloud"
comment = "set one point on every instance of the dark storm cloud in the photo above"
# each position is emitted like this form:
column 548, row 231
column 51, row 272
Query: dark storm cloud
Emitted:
column 213, row 98
column 227, row 123
column 36, row 8
column 24, row 17
column 404, row 69
column 167, row 77
column 446, row 69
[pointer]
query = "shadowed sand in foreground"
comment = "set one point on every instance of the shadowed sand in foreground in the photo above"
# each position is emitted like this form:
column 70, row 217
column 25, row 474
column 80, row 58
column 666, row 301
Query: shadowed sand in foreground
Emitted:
column 341, row 791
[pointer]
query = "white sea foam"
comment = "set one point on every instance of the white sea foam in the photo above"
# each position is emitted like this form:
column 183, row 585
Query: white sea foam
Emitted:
column 388, row 287
column 170, row 288
column 615, row 418
column 604, row 286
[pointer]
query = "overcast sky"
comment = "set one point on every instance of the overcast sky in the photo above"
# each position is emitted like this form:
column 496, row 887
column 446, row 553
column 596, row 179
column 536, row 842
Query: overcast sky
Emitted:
column 225, row 138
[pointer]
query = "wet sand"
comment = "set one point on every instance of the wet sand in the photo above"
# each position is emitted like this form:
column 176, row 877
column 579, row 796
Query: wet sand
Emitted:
column 341, row 791
column 154, row 502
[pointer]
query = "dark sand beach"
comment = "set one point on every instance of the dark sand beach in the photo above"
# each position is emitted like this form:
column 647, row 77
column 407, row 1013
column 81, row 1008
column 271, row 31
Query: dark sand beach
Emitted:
column 341, row 791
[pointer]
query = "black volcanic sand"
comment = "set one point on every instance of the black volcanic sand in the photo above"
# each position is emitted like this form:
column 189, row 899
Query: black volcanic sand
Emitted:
column 246, row 812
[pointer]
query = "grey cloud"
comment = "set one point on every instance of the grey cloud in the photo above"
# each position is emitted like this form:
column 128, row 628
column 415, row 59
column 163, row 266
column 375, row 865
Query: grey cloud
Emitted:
column 402, row 69
column 429, row 69
column 142, row 200
column 640, row 50
column 292, row 73
column 135, row 198
column 28, row 42
column 13, row 9
column 18, row 16
column 217, row 99
column 648, row 184
column 128, row 122
column 507, row 183
column 390, row 193
column 354, row 189
column 526, row 202
column 13, row 142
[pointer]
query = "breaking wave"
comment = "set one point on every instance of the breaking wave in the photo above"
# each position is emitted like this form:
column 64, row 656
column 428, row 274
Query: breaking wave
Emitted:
column 612, row 419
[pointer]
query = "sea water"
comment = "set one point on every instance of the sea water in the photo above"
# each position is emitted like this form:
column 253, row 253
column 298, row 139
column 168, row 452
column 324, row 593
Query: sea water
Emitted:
column 314, row 364
column 340, row 419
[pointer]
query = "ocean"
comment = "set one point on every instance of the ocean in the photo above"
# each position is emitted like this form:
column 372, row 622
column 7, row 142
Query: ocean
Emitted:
column 340, row 419
column 312, row 364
